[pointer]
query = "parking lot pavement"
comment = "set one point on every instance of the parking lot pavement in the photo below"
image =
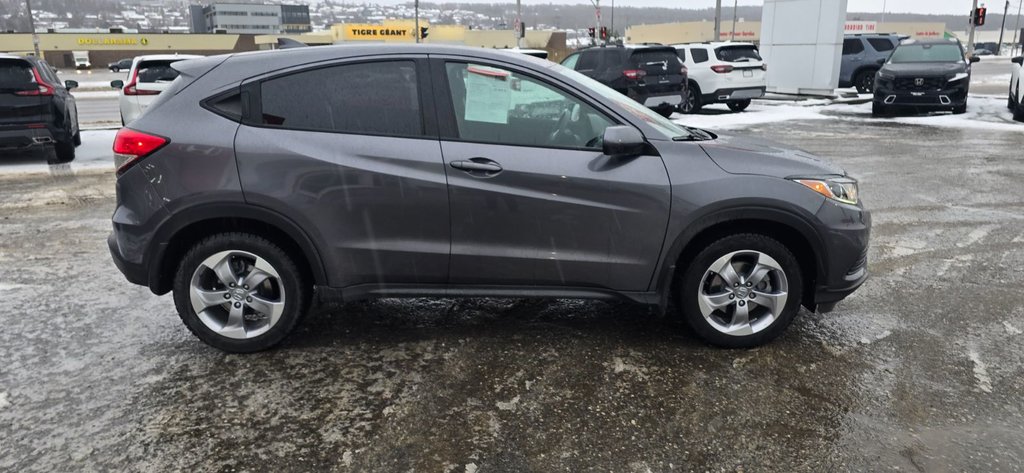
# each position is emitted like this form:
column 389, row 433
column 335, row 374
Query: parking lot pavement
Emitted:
column 922, row 369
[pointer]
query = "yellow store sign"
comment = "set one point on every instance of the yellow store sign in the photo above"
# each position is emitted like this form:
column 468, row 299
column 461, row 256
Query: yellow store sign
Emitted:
column 388, row 31
column 113, row 41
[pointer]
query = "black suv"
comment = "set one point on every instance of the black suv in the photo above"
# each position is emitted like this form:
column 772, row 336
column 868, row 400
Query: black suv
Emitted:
column 122, row 65
column 925, row 75
column 36, row 110
column 651, row 75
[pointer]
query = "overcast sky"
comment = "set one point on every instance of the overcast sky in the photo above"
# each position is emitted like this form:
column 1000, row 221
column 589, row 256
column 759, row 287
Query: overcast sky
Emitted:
column 892, row 6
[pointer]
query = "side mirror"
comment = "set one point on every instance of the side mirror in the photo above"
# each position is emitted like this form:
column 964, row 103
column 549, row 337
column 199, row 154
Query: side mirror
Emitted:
column 1019, row 60
column 623, row 141
column 117, row 84
column 975, row 59
column 70, row 84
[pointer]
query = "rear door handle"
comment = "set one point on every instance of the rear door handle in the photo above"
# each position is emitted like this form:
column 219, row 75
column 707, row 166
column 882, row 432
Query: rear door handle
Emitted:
column 478, row 166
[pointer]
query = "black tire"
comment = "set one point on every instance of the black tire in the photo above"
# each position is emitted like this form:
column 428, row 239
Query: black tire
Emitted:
column 78, row 138
column 739, row 105
column 296, row 286
column 64, row 150
column 1018, row 112
column 692, row 281
column 115, row 69
column 960, row 109
column 879, row 110
column 1011, row 102
column 665, row 111
column 865, row 81
column 691, row 100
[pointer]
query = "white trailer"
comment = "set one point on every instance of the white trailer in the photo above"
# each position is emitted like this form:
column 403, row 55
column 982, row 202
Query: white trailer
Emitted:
column 802, row 43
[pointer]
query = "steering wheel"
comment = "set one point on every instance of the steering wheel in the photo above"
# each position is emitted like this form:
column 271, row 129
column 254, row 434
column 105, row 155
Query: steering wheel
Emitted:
column 564, row 133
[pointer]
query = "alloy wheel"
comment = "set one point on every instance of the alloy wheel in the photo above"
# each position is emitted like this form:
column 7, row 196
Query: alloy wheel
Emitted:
column 237, row 294
column 743, row 292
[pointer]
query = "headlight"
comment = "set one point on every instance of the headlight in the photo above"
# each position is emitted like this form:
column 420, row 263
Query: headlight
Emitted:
column 842, row 189
column 959, row 77
column 884, row 76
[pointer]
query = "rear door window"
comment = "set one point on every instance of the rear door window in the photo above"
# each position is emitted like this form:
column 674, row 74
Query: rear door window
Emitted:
column 881, row 44
column 588, row 61
column 745, row 53
column 852, row 46
column 374, row 98
column 699, row 55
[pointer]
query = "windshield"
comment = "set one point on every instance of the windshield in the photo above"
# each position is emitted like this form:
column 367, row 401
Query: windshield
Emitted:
column 927, row 53
column 666, row 127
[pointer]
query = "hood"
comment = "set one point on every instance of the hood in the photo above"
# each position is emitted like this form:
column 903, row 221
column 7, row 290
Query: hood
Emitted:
column 926, row 68
column 738, row 155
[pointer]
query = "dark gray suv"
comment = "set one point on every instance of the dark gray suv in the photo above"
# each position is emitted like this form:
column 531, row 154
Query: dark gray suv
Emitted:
column 260, row 182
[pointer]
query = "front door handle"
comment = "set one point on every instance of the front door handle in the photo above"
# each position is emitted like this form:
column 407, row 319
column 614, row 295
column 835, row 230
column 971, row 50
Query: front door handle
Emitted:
column 478, row 166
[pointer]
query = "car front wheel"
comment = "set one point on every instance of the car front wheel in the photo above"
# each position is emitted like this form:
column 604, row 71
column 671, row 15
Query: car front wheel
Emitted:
column 240, row 292
column 865, row 82
column 741, row 291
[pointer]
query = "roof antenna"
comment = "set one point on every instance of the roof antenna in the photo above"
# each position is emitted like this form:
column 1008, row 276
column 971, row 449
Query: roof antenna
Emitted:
column 288, row 43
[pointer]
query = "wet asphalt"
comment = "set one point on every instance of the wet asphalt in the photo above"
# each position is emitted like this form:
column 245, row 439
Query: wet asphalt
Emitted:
column 921, row 370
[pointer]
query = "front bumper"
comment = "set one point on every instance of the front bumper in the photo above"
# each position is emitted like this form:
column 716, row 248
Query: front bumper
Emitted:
column 945, row 98
column 846, row 231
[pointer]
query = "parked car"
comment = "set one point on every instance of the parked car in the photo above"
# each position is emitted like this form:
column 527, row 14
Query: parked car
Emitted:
column 433, row 170
column 36, row 109
column 1016, row 96
column 982, row 52
column 863, row 55
column 926, row 75
column 730, row 73
column 650, row 74
column 147, row 77
column 123, row 64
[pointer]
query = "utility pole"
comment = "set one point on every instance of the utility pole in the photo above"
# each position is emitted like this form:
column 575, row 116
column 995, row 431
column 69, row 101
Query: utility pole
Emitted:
column 718, row 20
column 32, row 26
column 416, row 29
column 1016, row 29
column 611, row 29
column 597, row 25
column 735, row 4
column 970, row 36
column 999, row 46
column 883, row 12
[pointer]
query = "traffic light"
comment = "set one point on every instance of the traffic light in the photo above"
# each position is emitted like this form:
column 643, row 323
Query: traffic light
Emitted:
column 604, row 33
column 591, row 31
column 423, row 32
column 979, row 16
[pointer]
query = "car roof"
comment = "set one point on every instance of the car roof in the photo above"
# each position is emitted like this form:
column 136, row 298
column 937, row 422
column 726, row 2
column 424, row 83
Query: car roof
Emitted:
column 911, row 42
column 714, row 44
column 15, row 56
column 164, row 57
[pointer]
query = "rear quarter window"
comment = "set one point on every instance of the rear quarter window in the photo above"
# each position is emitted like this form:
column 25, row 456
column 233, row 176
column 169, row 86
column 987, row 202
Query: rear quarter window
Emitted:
column 881, row 44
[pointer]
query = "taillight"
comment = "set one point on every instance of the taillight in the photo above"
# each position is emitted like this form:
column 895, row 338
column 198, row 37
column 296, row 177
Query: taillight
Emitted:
column 132, row 145
column 634, row 74
column 722, row 69
column 132, row 88
column 43, row 88
column 764, row 67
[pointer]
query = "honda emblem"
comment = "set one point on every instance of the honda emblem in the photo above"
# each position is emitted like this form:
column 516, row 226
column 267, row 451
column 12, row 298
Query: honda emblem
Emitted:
column 919, row 82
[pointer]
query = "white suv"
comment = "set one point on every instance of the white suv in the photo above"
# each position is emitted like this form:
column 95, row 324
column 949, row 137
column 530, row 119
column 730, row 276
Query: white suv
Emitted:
column 728, row 72
column 1016, row 101
column 148, row 76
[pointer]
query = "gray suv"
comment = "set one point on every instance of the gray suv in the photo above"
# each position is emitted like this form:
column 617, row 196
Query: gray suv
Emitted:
column 863, row 55
column 261, row 182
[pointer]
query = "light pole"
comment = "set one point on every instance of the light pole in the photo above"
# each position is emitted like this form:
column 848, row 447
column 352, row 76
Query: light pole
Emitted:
column 883, row 12
column 1002, row 28
column 416, row 28
column 718, row 20
column 1016, row 29
column 735, row 4
column 519, row 24
column 970, row 36
column 597, row 25
column 32, row 26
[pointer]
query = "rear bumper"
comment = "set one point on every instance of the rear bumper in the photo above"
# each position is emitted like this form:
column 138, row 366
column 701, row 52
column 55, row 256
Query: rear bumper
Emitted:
column 732, row 95
column 657, row 96
column 26, row 138
column 134, row 273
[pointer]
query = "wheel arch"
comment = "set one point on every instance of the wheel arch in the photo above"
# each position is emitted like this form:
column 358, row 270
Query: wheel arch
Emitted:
column 179, row 233
column 788, row 228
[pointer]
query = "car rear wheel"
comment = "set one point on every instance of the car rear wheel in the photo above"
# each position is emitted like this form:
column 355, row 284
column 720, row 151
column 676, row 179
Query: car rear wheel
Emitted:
column 741, row 291
column 240, row 292
column 64, row 150
column 865, row 82
column 1018, row 112
column 666, row 111
column 115, row 69
column 691, row 100
column 739, row 105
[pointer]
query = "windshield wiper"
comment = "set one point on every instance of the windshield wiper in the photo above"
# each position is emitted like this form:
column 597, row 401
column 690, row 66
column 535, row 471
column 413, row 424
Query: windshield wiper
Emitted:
column 696, row 134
